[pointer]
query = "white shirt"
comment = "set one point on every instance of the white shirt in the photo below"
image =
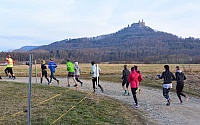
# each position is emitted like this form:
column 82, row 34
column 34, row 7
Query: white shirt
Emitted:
column 94, row 72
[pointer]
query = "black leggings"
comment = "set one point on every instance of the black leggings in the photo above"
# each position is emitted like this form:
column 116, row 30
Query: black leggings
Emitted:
column 166, row 93
column 179, row 89
column 44, row 74
column 94, row 81
column 134, row 92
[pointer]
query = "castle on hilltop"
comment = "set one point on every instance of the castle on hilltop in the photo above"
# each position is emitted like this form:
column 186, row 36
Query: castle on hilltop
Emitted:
column 140, row 23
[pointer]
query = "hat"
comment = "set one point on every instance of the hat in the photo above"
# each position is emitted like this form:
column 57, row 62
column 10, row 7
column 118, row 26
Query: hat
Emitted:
column 177, row 66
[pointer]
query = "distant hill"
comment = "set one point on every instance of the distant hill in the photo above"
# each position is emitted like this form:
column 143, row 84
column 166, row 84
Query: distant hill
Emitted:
column 134, row 43
column 25, row 48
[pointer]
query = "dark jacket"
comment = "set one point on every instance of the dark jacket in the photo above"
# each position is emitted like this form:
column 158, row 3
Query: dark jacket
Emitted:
column 168, row 77
column 43, row 67
column 180, row 77
column 125, row 74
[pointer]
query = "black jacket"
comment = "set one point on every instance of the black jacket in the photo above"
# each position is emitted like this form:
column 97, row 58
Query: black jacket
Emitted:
column 168, row 77
column 180, row 77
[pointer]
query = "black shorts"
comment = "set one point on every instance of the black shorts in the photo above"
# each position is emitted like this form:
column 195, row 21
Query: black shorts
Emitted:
column 70, row 74
column 124, row 82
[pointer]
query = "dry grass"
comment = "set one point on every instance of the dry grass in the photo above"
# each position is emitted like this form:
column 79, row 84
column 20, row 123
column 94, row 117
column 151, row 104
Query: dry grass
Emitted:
column 45, row 110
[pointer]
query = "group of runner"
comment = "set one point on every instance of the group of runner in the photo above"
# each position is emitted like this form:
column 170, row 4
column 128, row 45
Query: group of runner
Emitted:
column 134, row 78
column 74, row 72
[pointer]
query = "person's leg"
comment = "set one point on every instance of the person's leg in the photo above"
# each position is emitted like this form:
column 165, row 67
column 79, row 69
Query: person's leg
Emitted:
column 45, row 74
column 123, row 86
column 41, row 78
column 51, row 76
column 102, row 90
column 10, row 72
column 178, row 92
column 6, row 71
column 93, row 82
column 134, row 96
column 127, row 88
column 166, row 95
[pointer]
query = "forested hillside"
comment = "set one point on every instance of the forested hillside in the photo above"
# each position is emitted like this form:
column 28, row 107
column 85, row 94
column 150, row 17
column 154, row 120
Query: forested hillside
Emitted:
column 135, row 43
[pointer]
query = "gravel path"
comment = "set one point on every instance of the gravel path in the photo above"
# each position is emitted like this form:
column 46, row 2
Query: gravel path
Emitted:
column 151, row 102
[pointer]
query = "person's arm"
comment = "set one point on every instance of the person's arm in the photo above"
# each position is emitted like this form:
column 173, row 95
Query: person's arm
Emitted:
column 122, row 74
column 176, row 76
column 184, row 76
column 173, row 77
column 162, row 76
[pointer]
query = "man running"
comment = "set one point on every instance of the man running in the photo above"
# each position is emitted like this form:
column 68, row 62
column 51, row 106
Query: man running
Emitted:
column 44, row 72
column 180, row 77
column 125, row 74
column 9, row 67
column 70, row 69
column 52, row 66
column 95, row 76
column 77, row 72
column 167, row 84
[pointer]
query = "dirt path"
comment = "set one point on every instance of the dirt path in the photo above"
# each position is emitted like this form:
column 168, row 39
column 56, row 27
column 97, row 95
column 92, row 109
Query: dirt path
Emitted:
column 150, row 100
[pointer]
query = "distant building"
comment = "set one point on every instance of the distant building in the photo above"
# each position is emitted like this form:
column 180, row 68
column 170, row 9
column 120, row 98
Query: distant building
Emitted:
column 141, row 24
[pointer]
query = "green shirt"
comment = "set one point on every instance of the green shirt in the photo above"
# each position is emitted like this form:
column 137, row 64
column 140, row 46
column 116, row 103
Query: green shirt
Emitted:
column 70, row 67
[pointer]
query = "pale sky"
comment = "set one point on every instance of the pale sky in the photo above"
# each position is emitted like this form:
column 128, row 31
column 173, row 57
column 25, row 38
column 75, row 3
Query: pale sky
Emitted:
column 41, row 22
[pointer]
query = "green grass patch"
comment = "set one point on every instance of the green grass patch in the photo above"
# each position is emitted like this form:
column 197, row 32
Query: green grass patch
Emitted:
column 58, row 105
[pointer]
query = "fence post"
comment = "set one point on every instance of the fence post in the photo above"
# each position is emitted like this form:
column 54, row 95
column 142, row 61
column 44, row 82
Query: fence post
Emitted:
column 29, row 90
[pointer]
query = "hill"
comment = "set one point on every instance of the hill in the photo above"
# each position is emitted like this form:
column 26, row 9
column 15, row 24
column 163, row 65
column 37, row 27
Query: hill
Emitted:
column 25, row 48
column 134, row 43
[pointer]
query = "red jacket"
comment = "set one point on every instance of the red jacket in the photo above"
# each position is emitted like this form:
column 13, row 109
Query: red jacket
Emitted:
column 134, row 79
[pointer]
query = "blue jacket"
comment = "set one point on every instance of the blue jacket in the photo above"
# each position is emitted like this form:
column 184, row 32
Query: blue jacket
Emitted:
column 52, row 66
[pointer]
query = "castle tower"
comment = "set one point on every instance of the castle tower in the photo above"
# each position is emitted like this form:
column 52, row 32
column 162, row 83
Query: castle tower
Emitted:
column 141, row 24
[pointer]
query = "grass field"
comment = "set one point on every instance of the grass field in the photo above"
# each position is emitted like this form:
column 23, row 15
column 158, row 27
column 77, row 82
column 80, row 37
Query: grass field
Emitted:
column 58, row 105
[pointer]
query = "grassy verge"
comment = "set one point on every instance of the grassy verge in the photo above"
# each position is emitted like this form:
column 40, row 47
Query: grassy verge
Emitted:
column 49, row 103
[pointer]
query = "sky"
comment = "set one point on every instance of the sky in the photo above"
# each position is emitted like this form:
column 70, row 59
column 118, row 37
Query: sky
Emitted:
column 41, row 22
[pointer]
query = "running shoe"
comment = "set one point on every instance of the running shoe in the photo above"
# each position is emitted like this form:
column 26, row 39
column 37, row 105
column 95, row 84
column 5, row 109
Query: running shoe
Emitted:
column 102, row 89
column 68, row 85
column 81, row 83
column 75, row 85
column 186, row 98
column 128, row 94
column 125, row 92
column 136, row 106
column 168, row 102
column 58, row 82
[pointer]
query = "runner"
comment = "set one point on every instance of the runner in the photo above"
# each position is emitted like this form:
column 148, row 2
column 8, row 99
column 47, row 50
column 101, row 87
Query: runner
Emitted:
column 125, row 74
column 180, row 77
column 9, row 67
column 70, row 69
column 52, row 66
column 77, row 73
column 95, row 76
column 167, row 84
column 44, row 72
column 134, row 78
